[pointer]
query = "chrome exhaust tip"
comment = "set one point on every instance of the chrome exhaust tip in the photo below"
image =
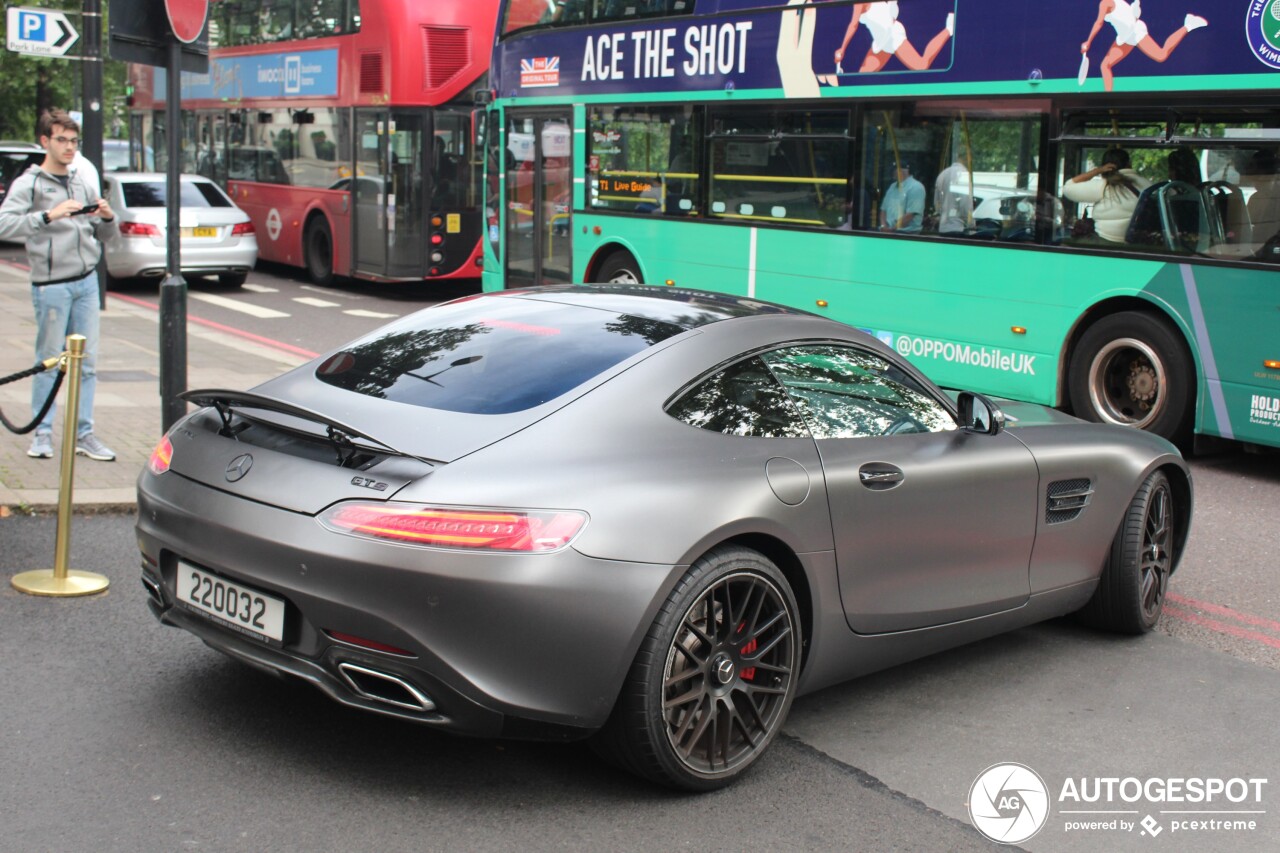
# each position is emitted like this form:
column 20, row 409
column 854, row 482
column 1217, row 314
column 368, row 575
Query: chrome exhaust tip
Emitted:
column 153, row 590
column 384, row 687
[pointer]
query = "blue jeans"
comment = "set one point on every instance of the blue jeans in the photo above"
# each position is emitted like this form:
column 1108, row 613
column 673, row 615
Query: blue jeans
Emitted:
column 61, row 310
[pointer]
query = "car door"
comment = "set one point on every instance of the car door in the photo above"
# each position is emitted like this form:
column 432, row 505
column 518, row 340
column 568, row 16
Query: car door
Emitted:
column 932, row 524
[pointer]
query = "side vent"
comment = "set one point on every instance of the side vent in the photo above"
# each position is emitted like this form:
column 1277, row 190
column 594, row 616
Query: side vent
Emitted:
column 371, row 74
column 1066, row 499
column 448, row 52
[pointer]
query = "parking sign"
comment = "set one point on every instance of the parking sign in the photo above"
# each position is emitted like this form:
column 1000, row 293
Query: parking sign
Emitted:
column 42, row 32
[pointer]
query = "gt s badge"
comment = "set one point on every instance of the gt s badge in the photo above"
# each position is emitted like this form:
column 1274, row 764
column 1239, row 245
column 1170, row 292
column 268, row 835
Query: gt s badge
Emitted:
column 366, row 483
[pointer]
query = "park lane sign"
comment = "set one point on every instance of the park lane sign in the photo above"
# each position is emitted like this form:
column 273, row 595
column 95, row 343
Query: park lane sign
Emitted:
column 42, row 32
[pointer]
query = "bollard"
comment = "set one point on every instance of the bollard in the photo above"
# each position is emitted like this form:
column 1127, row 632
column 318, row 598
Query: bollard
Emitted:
column 60, row 580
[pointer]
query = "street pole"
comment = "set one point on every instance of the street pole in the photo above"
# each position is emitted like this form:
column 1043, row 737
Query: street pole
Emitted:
column 91, row 89
column 173, row 290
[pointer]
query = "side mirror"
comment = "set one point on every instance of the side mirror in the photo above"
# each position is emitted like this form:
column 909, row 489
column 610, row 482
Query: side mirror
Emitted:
column 978, row 414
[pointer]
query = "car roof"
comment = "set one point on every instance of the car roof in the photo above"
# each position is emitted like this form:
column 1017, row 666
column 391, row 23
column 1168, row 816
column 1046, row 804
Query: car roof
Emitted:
column 682, row 307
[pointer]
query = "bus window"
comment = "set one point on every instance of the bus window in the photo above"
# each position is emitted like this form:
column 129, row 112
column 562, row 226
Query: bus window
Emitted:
column 787, row 168
column 643, row 161
column 967, row 170
column 1202, row 185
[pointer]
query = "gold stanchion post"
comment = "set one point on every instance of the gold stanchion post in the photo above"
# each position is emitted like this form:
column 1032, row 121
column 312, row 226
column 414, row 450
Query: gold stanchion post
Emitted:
column 60, row 580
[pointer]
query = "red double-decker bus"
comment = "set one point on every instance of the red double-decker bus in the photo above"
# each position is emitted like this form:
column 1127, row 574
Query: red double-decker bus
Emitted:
column 342, row 127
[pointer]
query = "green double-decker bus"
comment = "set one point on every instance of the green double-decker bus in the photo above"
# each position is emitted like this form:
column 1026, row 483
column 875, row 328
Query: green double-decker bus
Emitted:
column 1076, row 204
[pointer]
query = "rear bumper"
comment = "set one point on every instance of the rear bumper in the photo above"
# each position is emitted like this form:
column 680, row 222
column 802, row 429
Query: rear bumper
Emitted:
column 511, row 645
column 131, row 257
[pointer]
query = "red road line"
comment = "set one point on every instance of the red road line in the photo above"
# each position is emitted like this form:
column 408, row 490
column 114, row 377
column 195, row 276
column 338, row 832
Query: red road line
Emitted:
column 1221, row 627
column 280, row 345
column 1219, row 610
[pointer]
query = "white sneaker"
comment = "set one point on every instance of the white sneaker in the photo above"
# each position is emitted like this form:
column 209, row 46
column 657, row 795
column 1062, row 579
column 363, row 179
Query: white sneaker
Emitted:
column 41, row 446
column 1194, row 22
column 90, row 445
column 951, row 23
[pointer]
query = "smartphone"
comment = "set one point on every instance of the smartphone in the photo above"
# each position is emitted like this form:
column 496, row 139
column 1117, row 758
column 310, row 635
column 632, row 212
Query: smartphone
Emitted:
column 88, row 208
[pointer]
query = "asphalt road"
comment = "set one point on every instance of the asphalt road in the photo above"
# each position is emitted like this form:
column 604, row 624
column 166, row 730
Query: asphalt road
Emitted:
column 122, row 734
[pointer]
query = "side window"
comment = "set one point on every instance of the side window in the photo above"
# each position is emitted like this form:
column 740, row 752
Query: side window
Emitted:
column 958, row 170
column 786, row 168
column 846, row 392
column 743, row 399
column 643, row 161
column 1191, row 183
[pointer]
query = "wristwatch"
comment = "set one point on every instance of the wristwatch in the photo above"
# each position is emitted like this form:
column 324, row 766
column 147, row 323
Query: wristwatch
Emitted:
column 45, row 214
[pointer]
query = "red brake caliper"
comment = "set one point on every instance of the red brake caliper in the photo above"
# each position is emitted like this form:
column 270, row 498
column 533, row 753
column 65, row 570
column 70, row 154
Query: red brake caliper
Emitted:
column 748, row 674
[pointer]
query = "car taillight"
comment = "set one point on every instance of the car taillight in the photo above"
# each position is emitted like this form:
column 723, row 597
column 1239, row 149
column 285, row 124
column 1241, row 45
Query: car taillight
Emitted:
column 161, row 457
column 139, row 229
column 444, row 527
column 242, row 228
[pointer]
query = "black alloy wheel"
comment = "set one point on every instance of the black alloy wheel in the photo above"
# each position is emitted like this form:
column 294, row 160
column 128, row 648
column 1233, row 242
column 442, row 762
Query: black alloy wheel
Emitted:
column 714, row 678
column 1131, row 592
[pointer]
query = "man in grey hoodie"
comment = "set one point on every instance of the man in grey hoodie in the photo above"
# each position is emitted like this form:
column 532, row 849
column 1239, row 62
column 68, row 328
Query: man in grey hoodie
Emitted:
column 63, row 222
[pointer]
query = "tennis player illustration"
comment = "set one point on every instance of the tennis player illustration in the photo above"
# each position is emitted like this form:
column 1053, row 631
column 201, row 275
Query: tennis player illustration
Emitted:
column 1131, row 32
column 889, row 38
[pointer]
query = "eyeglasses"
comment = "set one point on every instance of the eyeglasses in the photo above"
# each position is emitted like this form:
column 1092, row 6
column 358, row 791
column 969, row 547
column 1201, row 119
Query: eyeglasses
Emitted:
column 73, row 141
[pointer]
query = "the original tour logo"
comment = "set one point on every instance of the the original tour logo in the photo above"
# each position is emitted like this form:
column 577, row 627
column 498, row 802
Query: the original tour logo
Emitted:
column 540, row 71
column 1262, row 23
column 1009, row 803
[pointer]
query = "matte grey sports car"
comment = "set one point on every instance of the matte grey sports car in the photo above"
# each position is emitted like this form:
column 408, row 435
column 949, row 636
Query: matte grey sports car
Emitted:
column 648, row 515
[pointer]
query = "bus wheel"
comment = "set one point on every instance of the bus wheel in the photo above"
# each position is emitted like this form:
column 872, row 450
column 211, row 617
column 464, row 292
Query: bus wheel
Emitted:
column 318, row 245
column 619, row 268
column 1133, row 369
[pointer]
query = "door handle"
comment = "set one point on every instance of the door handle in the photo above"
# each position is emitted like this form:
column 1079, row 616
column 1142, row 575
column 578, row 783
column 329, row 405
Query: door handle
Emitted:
column 880, row 476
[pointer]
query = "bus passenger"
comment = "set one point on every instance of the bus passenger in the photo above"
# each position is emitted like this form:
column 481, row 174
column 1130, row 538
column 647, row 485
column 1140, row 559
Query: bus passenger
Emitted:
column 889, row 38
column 952, row 199
column 1183, row 166
column 1132, row 32
column 1113, row 189
column 903, row 207
column 1264, row 204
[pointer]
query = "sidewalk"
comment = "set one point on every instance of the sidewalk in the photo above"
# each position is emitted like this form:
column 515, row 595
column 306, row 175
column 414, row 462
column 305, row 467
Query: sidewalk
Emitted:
column 127, row 410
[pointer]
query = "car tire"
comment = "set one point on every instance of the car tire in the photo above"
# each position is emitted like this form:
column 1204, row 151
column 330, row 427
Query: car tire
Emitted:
column 1131, row 591
column 233, row 279
column 714, row 677
column 318, row 248
column 619, row 268
column 1134, row 369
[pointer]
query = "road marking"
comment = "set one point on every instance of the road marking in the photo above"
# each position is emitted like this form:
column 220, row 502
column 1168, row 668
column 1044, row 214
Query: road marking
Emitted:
column 259, row 288
column 332, row 291
column 237, row 305
column 316, row 303
column 1219, row 626
column 377, row 315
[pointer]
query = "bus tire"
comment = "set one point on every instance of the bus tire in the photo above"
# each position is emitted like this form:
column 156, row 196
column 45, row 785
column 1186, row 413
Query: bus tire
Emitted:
column 1134, row 369
column 317, row 243
column 619, row 267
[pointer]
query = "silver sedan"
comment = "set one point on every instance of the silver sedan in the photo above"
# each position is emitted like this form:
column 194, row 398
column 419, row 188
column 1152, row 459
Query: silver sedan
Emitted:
column 217, row 237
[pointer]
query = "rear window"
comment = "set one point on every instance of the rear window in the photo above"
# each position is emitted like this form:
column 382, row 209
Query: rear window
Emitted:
column 192, row 194
column 490, row 355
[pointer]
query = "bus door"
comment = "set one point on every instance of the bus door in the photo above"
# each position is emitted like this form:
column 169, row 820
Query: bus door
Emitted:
column 211, row 146
column 388, row 193
column 539, row 197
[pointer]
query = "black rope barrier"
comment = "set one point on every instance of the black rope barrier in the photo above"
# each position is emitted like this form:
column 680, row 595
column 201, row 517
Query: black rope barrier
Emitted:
column 48, row 403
